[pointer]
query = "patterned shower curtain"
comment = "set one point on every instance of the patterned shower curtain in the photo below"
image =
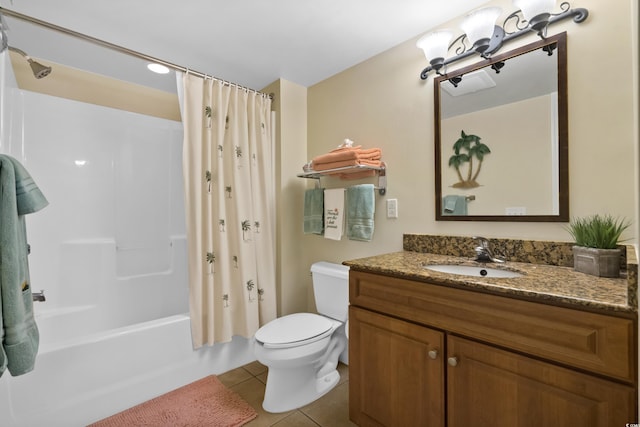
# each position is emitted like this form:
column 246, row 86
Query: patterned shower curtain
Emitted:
column 229, row 198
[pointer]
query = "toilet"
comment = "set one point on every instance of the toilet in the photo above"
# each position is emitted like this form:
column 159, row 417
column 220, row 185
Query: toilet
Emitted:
column 302, row 350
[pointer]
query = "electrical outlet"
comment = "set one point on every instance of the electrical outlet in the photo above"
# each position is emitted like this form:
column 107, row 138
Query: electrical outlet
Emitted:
column 392, row 208
column 516, row 211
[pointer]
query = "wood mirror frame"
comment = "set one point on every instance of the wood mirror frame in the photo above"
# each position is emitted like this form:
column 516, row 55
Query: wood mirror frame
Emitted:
column 562, row 214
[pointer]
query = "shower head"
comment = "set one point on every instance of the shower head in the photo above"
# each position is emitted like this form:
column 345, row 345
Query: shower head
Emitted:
column 39, row 70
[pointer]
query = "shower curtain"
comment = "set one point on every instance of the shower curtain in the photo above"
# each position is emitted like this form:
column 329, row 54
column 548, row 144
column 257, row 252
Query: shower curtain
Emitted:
column 229, row 196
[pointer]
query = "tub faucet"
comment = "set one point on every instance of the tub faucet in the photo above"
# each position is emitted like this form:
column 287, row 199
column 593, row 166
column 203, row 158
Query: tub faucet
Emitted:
column 483, row 252
column 38, row 296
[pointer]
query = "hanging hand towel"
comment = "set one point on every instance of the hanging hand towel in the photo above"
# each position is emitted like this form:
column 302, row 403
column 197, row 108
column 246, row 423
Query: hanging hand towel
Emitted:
column 361, row 207
column 334, row 213
column 19, row 336
column 454, row 205
column 313, row 211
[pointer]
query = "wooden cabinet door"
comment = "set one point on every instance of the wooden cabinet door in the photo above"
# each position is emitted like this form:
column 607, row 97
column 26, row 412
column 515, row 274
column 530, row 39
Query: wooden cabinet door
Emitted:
column 396, row 372
column 494, row 388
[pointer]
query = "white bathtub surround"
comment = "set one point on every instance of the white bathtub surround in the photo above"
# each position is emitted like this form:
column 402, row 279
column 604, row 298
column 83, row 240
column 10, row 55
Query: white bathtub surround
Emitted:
column 114, row 330
column 229, row 189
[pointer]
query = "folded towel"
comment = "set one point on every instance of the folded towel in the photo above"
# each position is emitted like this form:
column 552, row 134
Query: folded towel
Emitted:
column 334, row 213
column 19, row 336
column 361, row 206
column 454, row 205
column 358, row 174
column 339, row 156
column 346, row 163
column 371, row 154
column 334, row 165
column 344, row 154
column 341, row 148
column 313, row 211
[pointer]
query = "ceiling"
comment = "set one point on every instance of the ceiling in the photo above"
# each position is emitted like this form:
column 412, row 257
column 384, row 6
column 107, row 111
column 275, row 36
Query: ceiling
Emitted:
column 527, row 75
column 248, row 42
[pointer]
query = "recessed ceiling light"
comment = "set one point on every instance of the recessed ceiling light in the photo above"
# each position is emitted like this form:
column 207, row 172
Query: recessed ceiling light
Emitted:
column 158, row 68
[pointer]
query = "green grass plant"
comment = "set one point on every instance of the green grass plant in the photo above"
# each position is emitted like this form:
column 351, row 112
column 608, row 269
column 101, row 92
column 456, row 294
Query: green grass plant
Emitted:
column 597, row 231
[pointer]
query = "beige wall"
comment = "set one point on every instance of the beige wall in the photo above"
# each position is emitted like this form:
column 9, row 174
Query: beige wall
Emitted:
column 635, row 88
column 79, row 85
column 517, row 172
column 382, row 102
column 292, row 275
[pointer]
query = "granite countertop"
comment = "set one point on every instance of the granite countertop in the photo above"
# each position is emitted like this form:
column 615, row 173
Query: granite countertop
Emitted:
column 546, row 283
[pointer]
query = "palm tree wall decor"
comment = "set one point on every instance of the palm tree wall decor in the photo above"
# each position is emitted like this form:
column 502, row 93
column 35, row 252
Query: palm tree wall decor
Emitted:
column 466, row 148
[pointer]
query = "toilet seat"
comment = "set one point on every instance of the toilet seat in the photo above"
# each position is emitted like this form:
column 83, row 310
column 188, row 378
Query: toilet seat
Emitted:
column 294, row 330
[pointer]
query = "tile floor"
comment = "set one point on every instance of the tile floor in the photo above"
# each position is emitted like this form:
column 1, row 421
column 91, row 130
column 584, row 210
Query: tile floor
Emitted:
column 331, row 410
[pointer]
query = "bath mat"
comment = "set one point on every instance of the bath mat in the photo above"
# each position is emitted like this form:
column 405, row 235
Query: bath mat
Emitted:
column 206, row 402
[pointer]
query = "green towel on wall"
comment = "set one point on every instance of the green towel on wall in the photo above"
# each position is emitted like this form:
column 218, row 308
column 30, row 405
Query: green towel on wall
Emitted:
column 314, row 211
column 19, row 336
column 454, row 205
column 361, row 208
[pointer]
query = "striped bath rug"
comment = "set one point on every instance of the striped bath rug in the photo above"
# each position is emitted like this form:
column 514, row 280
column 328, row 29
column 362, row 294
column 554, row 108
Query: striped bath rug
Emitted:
column 206, row 402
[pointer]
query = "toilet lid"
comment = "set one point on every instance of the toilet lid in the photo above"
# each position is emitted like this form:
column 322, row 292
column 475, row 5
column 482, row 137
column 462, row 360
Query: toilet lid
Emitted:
column 293, row 328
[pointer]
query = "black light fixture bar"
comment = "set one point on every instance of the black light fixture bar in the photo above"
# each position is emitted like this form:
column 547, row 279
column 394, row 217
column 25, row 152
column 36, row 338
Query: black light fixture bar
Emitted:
column 501, row 37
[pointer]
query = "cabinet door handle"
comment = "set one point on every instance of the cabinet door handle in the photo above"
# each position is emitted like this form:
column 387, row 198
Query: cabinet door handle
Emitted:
column 452, row 361
column 433, row 354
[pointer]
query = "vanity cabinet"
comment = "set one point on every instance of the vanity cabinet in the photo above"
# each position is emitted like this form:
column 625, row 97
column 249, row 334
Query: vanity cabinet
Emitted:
column 428, row 355
column 398, row 377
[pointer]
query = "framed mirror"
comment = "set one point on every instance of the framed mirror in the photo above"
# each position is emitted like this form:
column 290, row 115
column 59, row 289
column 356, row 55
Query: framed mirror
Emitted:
column 501, row 137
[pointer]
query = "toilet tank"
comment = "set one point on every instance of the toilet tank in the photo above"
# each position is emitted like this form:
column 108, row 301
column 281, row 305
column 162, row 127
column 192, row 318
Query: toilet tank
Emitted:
column 331, row 289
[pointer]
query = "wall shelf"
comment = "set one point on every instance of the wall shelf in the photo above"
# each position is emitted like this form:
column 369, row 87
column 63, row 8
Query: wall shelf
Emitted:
column 381, row 172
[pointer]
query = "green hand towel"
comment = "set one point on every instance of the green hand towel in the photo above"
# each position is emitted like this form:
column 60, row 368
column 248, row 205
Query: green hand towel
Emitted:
column 29, row 198
column 313, row 211
column 18, row 331
column 454, row 205
column 361, row 207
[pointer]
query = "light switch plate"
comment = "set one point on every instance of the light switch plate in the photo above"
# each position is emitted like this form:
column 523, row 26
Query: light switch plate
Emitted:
column 392, row 208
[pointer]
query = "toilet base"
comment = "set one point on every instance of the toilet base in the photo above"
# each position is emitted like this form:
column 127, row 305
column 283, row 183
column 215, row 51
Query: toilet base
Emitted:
column 288, row 389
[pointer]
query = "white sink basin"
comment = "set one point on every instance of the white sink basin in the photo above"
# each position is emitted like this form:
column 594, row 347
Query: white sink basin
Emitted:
column 469, row 270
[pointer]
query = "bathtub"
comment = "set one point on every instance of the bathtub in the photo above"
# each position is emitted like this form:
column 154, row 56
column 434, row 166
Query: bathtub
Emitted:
column 85, row 379
column 124, row 340
column 110, row 254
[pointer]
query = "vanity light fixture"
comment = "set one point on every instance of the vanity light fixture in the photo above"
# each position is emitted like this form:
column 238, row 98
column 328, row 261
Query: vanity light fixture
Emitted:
column 435, row 46
column 478, row 27
column 455, row 81
column 537, row 12
column 485, row 37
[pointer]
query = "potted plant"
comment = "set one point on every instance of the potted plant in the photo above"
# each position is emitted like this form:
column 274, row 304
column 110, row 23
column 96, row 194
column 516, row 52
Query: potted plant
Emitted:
column 596, row 251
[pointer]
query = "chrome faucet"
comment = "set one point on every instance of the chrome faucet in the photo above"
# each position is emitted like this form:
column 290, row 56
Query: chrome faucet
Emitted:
column 483, row 252
column 38, row 296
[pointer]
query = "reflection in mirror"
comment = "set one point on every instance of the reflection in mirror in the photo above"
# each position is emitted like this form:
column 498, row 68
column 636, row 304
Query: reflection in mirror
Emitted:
column 501, row 137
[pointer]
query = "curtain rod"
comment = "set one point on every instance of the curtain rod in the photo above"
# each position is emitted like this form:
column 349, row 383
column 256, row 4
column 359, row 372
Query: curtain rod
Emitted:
column 9, row 12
